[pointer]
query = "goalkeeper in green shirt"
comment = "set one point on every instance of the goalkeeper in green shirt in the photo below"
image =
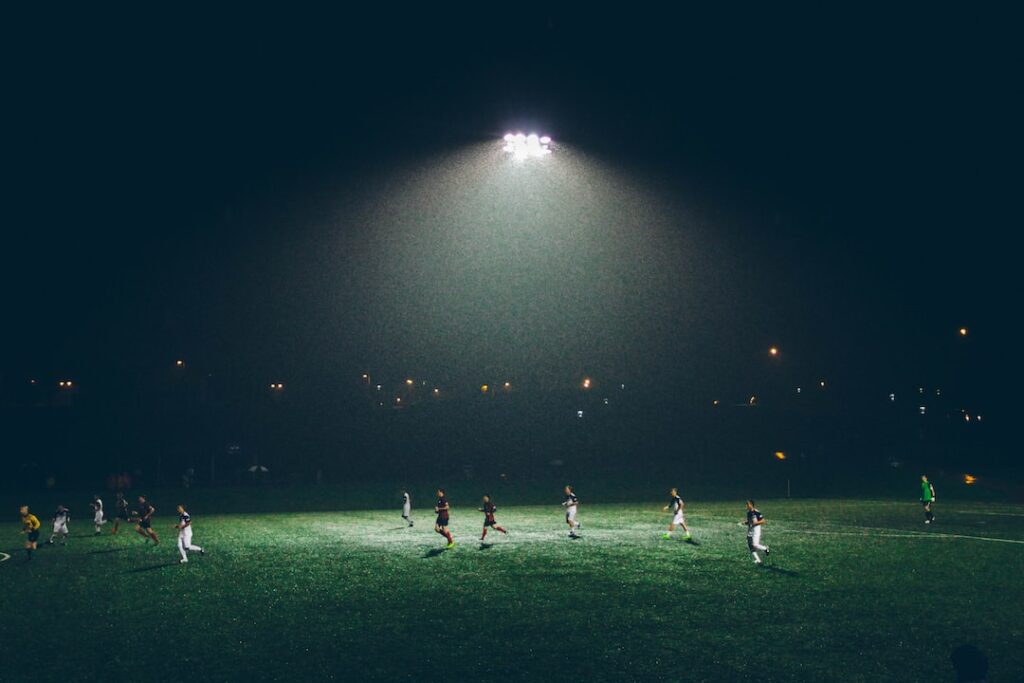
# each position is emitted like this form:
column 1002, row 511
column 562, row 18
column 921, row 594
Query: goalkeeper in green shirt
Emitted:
column 927, row 498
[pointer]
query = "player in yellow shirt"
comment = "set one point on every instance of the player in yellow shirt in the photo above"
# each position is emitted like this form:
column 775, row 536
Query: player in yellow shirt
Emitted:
column 30, row 526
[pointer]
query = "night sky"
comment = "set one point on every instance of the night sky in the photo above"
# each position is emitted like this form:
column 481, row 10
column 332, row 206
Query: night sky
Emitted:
column 325, row 194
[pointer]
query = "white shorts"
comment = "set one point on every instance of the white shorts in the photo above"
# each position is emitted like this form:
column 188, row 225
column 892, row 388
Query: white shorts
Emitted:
column 406, row 510
column 98, row 518
column 570, row 514
column 185, row 535
column 60, row 528
column 679, row 518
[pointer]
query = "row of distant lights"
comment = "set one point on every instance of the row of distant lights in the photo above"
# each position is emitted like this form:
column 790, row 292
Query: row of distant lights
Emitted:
column 522, row 146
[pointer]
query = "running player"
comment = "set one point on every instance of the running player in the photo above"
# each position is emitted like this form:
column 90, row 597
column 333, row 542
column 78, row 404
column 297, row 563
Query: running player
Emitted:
column 677, row 506
column 570, row 504
column 489, row 509
column 60, row 525
column 927, row 498
column 184, row 527
column 406, row 507
column 97, row 514
column 755, row 520
column 122, row 512
column 144, row 525
column 29, row 526
column 441, row 524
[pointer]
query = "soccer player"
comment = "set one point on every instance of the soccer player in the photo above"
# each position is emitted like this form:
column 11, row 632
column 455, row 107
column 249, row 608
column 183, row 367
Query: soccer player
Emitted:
column 60, row 525
column 184, row 527
column 97, row 514
column 441, row 524
column 29, row 526
column 570, row 504
column 755, row 520
column 927, row 498
column 676, row 505
column 122, row 512
column 144, row 525
column 406, row 507
column 489, row 509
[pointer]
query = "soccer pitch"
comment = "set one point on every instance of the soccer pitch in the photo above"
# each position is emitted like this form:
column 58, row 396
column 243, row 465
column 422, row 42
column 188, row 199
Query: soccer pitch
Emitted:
column 852, row 591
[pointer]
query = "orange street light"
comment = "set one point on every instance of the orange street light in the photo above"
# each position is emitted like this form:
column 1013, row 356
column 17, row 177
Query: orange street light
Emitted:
column 586, row 382
column 780, row 455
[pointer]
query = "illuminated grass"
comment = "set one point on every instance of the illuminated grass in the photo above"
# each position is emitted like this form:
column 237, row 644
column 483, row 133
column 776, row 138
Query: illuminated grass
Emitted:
column 855, row 591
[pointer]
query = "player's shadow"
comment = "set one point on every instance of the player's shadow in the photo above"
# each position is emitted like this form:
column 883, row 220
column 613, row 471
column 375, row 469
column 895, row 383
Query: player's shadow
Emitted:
column 485, row 546
column 105, row 552
column 692, row 541
column 434, row 553
column 778, row 570
column 139, row 570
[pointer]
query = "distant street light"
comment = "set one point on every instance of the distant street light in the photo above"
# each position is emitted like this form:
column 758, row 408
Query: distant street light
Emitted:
column 484, row 388
column 780, row 455
column 276, row 386
column 586, row 383
column 409, row 382
column 65, row 384
column 773, row 351
column 963, row 331
column 179, row 363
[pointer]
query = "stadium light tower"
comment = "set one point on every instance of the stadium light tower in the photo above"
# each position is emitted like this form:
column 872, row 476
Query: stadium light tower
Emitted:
column 522, row 146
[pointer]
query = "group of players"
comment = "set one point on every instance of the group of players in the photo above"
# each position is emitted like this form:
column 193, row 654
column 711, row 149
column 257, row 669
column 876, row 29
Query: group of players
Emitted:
column 142, row 518
column 754, row 522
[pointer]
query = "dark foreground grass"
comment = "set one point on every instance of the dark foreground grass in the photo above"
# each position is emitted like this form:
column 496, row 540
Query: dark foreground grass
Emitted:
column 854, row 591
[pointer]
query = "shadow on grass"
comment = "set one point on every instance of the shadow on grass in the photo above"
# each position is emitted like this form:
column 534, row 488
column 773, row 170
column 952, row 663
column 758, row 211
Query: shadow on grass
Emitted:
column 692, row 541
column 105, row 552
column 779, row 570
column 485, row 546
column 139, row 570
column 434, row 553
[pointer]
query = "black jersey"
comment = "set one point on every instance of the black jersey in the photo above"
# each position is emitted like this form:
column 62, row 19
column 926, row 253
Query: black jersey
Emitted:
column 753, row 516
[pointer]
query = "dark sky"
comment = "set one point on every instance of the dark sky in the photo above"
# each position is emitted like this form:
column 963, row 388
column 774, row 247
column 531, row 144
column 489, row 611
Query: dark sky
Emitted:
column 286, row 193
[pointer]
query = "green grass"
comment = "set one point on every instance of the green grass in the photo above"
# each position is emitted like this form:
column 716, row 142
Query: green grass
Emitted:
column 854, row 591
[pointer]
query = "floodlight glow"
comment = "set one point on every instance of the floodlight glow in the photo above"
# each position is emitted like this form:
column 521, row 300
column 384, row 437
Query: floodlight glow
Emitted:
column 522, row 146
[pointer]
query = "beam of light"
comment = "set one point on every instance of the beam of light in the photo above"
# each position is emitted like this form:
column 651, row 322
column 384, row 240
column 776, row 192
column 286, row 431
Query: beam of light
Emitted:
column 522, row 146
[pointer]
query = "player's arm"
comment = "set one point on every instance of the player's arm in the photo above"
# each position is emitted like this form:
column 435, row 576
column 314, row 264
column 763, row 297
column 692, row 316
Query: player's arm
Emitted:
column 933, row 491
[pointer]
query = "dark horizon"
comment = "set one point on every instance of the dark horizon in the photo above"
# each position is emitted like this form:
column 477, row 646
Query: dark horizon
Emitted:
column 272, row 201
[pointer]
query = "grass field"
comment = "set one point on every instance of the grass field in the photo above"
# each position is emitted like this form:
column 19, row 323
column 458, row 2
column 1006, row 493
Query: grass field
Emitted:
column 853, row 591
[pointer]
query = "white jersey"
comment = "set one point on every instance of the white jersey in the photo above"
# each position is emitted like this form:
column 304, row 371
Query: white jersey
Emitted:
column 97, row 506
column 571, row 501
column 677, row 506
column 406, row 504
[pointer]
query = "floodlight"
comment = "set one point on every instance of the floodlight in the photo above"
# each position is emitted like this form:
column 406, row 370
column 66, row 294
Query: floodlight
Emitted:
column 522, row 146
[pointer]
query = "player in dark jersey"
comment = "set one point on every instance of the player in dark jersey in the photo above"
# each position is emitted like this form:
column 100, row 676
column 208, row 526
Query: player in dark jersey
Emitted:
column 184, row 527
column 30, row 527
column 121, row 505
column 144, row 525
column 678, row 508
column 570, row 504
column 489, row 509
column 441, row 524
column 60, row 525
column 755, row 520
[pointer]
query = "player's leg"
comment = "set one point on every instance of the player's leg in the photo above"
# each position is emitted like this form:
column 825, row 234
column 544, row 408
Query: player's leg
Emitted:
column 484, row 534
column 501, row 529
column 152, row 534
column 182, row 547
column 64, row 534
column 141, row 532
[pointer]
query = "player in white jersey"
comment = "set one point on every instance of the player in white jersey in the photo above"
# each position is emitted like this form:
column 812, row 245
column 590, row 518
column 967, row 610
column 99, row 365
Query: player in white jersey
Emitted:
column 184, row 527
column 60, row 525
column 570, row 504
column 755, row 520
column 677, row 506
column 406, row 507
column 97, row 514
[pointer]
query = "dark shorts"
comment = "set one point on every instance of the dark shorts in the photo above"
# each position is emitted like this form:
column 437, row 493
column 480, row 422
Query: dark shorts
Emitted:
column 489, row 522
column 441, row 521
column 33, row 536
column 122, row 516
column 145, row 523
column 926, row 503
